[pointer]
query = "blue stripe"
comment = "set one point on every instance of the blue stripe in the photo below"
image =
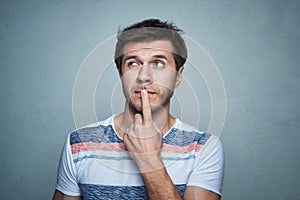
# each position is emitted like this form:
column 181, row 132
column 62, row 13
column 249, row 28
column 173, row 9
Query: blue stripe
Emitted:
column 101, row 158
column 107, row 134
column 95, row 134
column 125, row 158
column 182, row 138
column 95, row 192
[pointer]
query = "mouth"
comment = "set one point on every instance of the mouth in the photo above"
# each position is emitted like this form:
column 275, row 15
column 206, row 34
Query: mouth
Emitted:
column 137, row 93
column 149, row 91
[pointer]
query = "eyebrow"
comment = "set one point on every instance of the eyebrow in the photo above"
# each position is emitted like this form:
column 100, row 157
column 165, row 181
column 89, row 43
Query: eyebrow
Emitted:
column 129, row 57
column 136, row 57
column 160, row 56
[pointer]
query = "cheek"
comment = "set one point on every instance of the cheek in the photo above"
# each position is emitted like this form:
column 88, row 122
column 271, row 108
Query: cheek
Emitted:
column 128, row 82
column 130, row 75
column 165, row 81
column 126, row 87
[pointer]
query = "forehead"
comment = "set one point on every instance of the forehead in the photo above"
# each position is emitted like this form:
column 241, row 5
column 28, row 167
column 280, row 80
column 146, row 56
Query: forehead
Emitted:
column 158, row 46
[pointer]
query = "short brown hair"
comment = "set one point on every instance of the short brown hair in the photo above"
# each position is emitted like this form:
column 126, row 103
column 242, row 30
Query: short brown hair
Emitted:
column 150, row 30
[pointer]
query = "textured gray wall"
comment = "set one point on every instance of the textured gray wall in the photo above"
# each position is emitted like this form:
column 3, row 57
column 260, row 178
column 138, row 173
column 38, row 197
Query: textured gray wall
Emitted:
column 255, row 44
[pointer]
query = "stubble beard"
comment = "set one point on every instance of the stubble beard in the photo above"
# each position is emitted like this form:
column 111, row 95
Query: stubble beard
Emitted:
column 165, row 99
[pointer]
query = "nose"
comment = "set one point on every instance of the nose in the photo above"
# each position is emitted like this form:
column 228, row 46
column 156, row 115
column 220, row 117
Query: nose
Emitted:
column 144, row 75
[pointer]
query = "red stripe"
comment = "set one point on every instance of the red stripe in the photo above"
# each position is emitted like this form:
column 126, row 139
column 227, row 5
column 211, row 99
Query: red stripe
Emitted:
column 120, row 147
column 91, row 146
column 186, row 149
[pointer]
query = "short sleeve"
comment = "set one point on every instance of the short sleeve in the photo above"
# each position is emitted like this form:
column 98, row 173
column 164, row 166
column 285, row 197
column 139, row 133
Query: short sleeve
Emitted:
column 66, row 174
column 208, row 170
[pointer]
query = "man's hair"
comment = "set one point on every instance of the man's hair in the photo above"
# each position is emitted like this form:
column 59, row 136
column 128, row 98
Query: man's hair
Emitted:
column 148, row 31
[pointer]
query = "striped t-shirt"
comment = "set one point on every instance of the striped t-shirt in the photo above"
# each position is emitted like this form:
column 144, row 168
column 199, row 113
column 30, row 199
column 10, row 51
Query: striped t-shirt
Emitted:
column 95, row 165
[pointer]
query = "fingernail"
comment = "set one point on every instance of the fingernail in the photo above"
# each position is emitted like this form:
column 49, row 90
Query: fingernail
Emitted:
column 144, row 91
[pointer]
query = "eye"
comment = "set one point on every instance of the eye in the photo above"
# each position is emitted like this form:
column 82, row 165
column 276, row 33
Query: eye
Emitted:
column 158, row 64
column 132, row 64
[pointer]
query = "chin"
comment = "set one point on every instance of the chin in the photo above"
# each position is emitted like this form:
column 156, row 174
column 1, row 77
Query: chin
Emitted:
column 137, row 107
column 156, row 108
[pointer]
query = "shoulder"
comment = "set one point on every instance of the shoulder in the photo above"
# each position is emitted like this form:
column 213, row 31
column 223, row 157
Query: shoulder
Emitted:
column 101, row 131
column 189, row 133
column 184, row 134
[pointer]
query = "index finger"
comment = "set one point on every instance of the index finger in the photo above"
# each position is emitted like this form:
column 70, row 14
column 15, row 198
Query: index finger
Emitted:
column 146, row 108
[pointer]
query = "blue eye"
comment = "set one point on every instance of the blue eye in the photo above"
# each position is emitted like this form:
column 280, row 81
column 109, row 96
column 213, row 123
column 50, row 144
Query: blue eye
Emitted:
column 158, row 64
column 133, row 64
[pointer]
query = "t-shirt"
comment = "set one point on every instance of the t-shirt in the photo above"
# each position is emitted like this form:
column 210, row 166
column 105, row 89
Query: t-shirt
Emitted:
column 95, row 164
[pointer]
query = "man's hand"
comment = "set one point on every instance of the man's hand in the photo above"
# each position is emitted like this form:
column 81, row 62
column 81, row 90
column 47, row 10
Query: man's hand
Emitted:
column 143, row 139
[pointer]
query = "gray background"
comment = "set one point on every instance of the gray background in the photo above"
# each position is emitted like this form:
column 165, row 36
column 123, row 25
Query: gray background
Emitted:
column 255, row 44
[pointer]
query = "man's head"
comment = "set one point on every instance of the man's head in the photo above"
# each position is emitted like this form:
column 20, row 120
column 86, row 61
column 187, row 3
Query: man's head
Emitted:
column 150, row 55
column 148, row 31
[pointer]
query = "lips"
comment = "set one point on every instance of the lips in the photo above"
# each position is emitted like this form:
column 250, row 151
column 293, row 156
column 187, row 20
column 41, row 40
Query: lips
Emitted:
column 148, row 88
column 149, row 91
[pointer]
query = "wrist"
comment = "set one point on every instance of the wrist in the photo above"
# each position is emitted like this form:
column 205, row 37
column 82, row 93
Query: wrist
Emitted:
column 149, row 163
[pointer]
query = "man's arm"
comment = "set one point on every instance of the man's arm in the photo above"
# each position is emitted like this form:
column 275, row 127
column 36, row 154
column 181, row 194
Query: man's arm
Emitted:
column 197, row 193
column 60, row 196
column 143, row 141
column 160, row 186
column 66, row 176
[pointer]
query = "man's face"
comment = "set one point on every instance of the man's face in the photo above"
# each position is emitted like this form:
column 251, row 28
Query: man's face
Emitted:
column 149, row 66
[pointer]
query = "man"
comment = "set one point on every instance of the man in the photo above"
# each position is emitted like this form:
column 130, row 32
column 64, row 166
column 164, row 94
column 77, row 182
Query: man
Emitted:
column 144, row 152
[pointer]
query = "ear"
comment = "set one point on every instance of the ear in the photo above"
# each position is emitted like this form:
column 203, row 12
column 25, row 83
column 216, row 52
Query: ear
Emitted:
column 179, row 76
column 119, row 69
